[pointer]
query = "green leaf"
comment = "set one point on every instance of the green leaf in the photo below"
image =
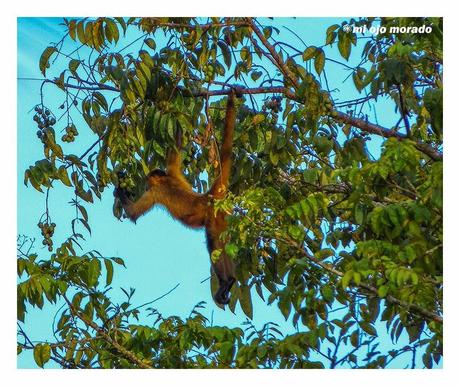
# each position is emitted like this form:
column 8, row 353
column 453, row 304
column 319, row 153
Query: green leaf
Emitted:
column 357, row 278
column 109, row 269
column 382, row 291
column 73, row 66
column 246, row 300
column 344, row 45
column 231, row 249
column 45, row 58
column 225, row 53
column 320, row 61
column 267, row 32
column 309, row 53
column 311, row 176
column 274, row 158
column 122, row 22
column 346, row 279
column 72, row 29
column 296, row 232
column 328, row 293
column 93, row 272
column 81, row 31
column 245, row 53
column 256, row 75
column 258, row 118
column 359, row 214
column 42, row 354
column 151, row 43
column 331, row 34
column 414, row 278
column 112, row 30
column 368, row 328
column 85, row 224
column 101, row 100
column 83, row 212
column 427, row 360
column 63, row 176
column 354, row 338
column 118, row 260
column 324, row 253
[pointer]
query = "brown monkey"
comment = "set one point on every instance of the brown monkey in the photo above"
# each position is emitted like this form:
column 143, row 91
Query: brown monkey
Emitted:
column 172, row 190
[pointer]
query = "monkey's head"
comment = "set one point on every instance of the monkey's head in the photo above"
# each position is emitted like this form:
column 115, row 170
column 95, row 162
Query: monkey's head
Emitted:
column 157, row 173
column 155, row 176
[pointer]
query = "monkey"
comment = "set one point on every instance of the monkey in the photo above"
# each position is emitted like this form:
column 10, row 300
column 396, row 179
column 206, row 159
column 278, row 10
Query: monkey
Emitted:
column 171, row 189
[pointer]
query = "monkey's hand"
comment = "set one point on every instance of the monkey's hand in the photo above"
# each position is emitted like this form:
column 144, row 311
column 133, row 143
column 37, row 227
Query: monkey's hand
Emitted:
column 222, row 295
column 122, row 195
column 237, row 91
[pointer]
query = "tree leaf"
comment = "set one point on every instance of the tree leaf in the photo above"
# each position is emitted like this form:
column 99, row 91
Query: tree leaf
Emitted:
column 225, row 53
column 346, row 279
column 328, row 293
column 309, row 53
column 118, row 260
column 258, row 118
column 109, row 269
column 72, row 29
column 368, row 328
column 151, row 43
column 63, row 176
column 320, row 61
column 42, row 354
column 93, row 272
column 256, row 75
column 246, row 300
column 331, row 34
column 112, row 27
column 45, row 59
column 344, row 45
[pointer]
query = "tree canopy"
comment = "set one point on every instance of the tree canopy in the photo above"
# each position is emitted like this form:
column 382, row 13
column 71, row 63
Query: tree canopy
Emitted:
column 336, row 219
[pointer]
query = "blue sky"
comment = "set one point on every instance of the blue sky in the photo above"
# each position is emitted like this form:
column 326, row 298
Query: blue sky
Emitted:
column 159, row 253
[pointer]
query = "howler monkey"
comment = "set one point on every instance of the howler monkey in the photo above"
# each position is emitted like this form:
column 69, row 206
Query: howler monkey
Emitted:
column 172, row 190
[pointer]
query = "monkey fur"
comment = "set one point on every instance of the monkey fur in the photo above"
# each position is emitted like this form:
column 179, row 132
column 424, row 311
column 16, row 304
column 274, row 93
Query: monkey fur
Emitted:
column 195, row 210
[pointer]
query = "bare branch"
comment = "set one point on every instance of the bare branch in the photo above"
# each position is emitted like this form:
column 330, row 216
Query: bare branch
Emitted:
column 372, row 128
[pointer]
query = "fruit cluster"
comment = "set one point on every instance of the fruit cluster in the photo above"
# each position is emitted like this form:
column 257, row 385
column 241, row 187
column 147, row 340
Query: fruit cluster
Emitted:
column 125, row 182
column 44, row 119
column 208, row 70
column 47, row 233
column 71, row 133
column 273, row 104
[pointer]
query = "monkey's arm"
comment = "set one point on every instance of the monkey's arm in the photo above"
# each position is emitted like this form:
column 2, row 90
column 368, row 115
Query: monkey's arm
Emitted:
column 174, row 163
column 137, row 208
column 219, row 188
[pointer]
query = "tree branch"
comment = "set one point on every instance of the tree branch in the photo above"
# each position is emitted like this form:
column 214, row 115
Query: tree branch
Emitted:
column 278, row 61
column 356, row 122
column 129, row 355
column 391, row 299
column 372, row 128
column 159, row 23
column 97, row 86
column 361, row 124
